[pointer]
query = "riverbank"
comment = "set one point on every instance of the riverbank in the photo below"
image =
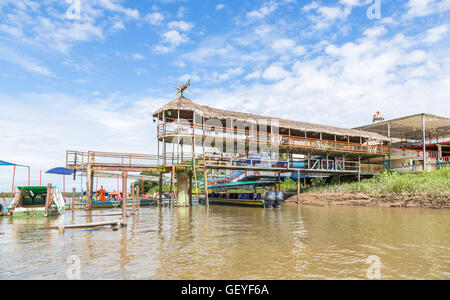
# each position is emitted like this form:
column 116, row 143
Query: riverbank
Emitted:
column 390, row 200
column 425, row 190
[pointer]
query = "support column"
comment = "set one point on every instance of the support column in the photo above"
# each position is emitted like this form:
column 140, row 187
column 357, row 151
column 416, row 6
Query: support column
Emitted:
column 138, row 198
column 48, row 199
column 182, row 189
column 133, row 197
column 159, row 201
column 298, row 187
column 190, row 189
column 124, row 197
column 205, row 175
column 74, row 190
column 89, row 187
column 359, row 168
column 423, row 144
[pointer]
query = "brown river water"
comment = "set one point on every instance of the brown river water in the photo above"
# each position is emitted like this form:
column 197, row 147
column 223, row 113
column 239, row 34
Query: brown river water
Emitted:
column 294, row 242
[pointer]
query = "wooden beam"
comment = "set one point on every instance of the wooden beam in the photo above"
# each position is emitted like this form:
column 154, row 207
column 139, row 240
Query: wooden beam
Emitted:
column 205, row 175
column 48, row 198
column 73, row 197
column 160, row 189
column 124, row 197
column 133, row 196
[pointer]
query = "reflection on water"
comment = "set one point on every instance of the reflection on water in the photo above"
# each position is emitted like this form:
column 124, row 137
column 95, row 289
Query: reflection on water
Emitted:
column 233, row 243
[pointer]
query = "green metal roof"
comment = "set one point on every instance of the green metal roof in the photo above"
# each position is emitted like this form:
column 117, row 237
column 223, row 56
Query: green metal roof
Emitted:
column 244, row 185
column 34, row 189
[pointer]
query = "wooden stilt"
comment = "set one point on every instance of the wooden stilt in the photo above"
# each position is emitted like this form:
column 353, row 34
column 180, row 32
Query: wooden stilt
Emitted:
column 190, row 189
column 194, row 162
column 48, row 199
column 205, row 175
column 124, row 197
column 160, row 189
column 73, row 197
column 89, row 187
column 298, row 187
column 172, row 185
column 359, row 168
column 138, row 195
column 133, row 196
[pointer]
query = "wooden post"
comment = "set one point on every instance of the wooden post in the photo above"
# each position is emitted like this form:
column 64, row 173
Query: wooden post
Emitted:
column 206, row 186
column 359, row 168
column 133, row 196
column 73, row 197
column 48, row 199
column 138, row 198
column 124, row 197
column 160, row 189
column 190, row 189
column 89, row 187
column 298, row 187
column 172, row 184
column 424, row 147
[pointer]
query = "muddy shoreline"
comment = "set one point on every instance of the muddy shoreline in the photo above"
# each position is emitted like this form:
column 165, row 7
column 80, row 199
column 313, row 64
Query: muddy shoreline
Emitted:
column 405, row 200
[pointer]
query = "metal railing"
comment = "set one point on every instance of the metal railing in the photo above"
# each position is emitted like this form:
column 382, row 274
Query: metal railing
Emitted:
column 248, row 136
column 187, row 129
column 81, row 160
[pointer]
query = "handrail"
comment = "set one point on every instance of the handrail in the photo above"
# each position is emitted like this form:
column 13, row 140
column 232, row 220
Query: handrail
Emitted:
column 164, row 129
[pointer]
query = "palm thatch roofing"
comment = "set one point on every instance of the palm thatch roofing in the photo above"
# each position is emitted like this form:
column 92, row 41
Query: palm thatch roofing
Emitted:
column 186, row 104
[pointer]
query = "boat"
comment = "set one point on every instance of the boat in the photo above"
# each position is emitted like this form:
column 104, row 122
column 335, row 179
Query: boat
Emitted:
column 103, row 199
column 32, row 201
column 222, row 194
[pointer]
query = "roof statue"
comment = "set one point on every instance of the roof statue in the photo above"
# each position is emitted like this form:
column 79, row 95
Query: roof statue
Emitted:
column 181, row 89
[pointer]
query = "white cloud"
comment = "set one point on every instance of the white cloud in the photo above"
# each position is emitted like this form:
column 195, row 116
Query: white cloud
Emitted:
column 228, row 74
column 283, row 45
column 171, row 39
column 58, row 122
column 180, row 25
column 220, row 6
column 155, row 18
column 327, row 16
column 111, row 5
column 275, row 72
column 263, row 12
column 174, row 38
column 193, row 77
column 254, row 75
column 421, row 8
column 137, row 56
column 436, row 34
column 27, row 63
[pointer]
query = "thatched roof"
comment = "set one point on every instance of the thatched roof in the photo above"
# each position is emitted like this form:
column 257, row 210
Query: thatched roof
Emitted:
column 185, row 104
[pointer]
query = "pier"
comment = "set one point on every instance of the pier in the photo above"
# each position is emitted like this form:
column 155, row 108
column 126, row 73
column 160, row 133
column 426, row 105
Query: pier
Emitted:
column 231, row 146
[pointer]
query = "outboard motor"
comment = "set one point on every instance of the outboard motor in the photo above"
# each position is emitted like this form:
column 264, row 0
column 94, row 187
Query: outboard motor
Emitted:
column 270, row 199
column 279, row 198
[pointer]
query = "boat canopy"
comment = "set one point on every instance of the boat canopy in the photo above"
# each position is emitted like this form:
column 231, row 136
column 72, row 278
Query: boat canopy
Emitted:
column 245, row 185
column 60, row 171
column 34, row 189
column 5, row 163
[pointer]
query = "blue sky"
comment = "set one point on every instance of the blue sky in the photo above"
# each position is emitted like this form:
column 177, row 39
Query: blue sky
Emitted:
column 90, row 78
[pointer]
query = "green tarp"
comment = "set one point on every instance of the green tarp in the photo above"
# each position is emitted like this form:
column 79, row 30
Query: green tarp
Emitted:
column 34, row 189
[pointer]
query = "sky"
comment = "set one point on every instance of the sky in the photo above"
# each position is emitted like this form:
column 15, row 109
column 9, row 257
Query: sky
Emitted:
column 87, row 75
